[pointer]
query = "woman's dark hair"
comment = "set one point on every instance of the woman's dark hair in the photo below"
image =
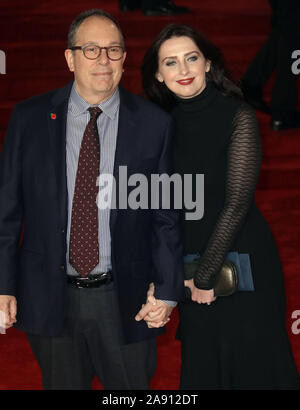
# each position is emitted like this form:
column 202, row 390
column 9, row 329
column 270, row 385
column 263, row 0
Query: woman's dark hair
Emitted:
column 218, row 75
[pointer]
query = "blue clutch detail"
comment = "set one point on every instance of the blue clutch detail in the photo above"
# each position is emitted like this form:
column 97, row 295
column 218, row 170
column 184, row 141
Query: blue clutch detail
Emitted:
column 243, row 266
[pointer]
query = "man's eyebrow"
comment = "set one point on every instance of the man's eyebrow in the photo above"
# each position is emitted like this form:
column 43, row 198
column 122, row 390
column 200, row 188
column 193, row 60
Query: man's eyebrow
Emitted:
column 94, row 43
column 186, row 54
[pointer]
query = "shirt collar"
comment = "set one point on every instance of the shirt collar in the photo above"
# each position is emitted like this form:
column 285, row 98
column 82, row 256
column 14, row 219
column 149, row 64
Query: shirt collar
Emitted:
column 78, row 105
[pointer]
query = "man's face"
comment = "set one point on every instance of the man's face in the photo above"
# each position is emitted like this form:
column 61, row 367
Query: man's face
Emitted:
column 96, row 80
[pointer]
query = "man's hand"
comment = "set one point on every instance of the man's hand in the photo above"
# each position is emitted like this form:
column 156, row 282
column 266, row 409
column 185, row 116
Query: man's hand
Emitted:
column 150, row 290
column 8, row 305
column 155, row 312
column 199, row 295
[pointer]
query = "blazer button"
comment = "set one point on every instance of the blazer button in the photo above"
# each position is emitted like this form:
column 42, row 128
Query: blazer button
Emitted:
column 62, row 267
column 62, row 231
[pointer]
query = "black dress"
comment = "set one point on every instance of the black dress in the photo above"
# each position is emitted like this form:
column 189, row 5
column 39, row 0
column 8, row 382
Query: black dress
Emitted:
column 239, row 341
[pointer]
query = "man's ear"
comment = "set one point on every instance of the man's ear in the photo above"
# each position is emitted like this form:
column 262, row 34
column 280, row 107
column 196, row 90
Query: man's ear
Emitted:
column 69, row 56
column 159, row 77
column 124, row 56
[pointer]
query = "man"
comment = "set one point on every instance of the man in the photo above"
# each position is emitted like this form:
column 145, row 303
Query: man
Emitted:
column 153, row 7
column 77, row 283
column 276, row 54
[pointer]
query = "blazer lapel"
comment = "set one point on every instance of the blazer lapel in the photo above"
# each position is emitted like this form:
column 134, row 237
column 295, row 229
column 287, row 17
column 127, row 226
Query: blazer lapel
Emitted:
column 57, row 123
column 127, row 134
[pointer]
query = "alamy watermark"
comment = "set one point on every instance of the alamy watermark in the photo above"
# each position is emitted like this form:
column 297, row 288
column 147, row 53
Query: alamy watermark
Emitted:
column 2, row 62
column 296, row 64
column 296, row 323
column 2, row 323
column 158, row 191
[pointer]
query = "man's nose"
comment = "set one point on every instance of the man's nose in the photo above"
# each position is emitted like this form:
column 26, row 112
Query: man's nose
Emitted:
column 102, row 58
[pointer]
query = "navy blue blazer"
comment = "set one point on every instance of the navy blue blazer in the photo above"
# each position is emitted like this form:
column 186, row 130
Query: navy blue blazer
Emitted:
column 146, row 244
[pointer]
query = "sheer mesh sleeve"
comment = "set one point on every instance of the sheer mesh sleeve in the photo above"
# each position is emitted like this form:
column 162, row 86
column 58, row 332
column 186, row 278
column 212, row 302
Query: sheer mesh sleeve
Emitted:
column 243, row 164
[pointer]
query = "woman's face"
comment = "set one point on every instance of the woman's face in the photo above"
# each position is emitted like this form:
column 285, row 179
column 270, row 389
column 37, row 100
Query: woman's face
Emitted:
column 182, row 67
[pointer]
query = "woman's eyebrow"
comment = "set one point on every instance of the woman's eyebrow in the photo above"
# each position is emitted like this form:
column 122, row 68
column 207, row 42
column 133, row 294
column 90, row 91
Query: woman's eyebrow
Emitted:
column 190, row 52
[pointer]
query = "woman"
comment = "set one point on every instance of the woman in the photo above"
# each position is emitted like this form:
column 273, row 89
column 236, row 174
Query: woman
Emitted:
column 238, row 341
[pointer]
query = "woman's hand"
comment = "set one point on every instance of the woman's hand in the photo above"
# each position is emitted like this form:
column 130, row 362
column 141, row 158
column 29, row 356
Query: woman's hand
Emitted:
column 199, row 295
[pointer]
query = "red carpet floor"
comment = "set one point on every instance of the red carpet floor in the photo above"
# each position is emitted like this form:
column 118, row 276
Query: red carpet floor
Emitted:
column 33, row 36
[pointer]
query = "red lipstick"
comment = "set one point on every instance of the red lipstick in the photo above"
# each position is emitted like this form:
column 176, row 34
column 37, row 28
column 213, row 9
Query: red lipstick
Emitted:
column 186, row 81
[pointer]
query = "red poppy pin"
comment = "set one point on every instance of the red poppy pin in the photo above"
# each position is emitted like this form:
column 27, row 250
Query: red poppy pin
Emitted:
column 53, row 116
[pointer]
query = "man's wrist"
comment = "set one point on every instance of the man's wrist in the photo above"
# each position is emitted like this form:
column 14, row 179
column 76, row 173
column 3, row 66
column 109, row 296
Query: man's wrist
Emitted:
column 170, row 303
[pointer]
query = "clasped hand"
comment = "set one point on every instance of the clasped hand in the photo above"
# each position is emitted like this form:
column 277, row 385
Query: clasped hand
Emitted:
column 8, row 311
column 200, row 295
column 155, row 312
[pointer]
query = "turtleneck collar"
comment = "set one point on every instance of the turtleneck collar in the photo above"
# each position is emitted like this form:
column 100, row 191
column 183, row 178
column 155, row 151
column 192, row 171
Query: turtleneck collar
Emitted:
column 198, row 102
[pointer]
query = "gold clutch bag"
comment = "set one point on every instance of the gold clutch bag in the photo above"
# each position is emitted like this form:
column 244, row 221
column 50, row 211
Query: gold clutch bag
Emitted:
column 226, row 281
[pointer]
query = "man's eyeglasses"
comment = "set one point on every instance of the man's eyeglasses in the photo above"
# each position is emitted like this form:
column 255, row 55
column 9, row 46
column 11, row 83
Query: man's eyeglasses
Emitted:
column 92, row 52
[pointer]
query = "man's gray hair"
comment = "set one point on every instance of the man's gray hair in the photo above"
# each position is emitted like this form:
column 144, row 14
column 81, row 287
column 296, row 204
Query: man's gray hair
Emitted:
column 83, row 16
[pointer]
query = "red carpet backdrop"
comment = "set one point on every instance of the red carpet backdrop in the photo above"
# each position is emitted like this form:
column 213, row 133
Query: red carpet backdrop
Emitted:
column 33, row 36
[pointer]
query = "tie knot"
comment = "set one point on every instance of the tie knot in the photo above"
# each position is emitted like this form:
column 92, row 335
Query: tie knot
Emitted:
column 95, row 112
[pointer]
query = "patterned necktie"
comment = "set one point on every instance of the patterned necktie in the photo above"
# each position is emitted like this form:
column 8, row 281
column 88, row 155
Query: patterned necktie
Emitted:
column 84, row 246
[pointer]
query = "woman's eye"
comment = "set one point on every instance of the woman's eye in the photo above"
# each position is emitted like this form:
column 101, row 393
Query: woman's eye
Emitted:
column 169, row 63
column 193, row 58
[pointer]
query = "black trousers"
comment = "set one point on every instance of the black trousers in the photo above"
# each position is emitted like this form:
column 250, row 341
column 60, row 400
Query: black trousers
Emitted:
column 276, row 54
column 92, row 344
